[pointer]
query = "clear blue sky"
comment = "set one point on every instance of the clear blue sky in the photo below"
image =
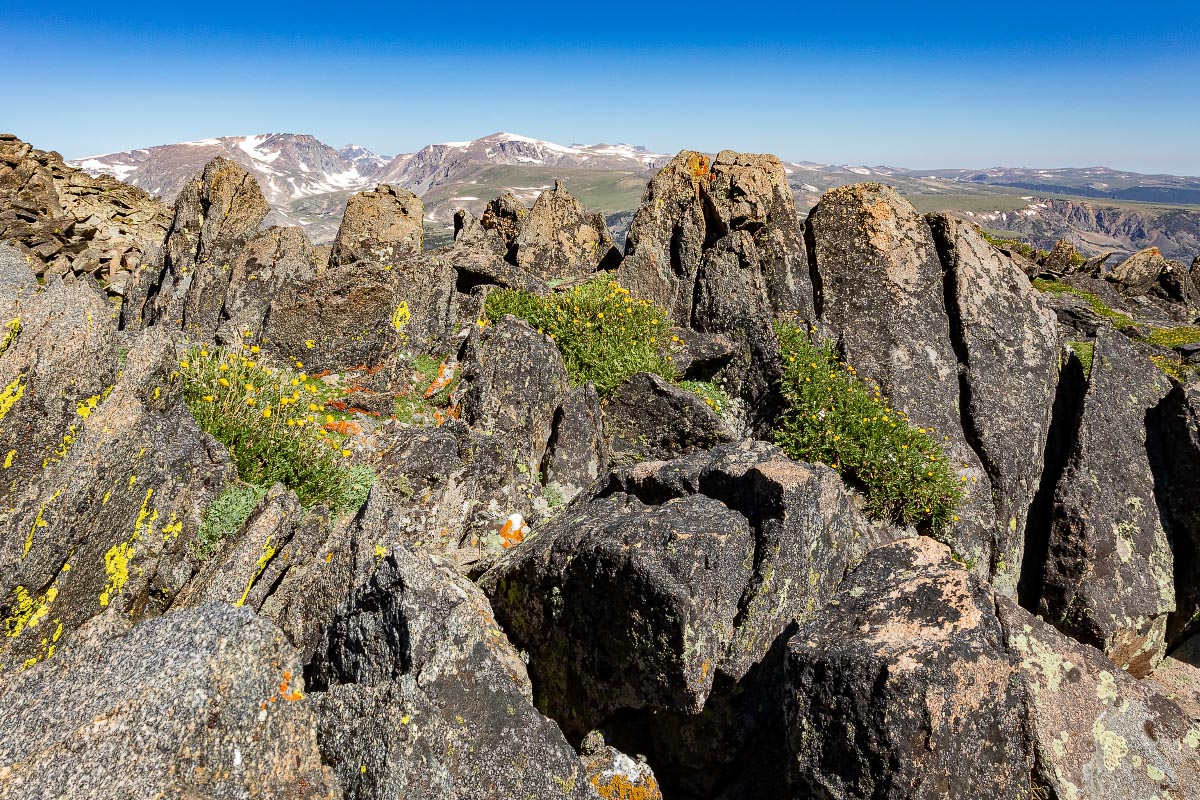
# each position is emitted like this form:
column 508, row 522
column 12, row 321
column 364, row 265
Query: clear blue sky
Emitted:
column 912, row 84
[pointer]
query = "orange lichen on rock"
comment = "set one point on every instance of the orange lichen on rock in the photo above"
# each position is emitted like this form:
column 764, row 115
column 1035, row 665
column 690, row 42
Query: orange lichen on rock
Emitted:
column 619, row 787
column 513, row 531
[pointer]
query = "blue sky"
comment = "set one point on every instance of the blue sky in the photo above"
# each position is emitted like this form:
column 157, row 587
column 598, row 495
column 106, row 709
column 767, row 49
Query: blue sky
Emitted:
column 934, row 84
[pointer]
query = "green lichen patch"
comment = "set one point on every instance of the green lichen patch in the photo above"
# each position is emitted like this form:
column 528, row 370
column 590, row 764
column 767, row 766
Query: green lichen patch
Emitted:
column 1092, row 299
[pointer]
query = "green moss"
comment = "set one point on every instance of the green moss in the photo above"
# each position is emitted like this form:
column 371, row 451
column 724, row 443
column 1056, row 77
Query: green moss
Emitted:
column 604, row 334
column 836, row 418
column 414, row 407
column 1171, row 338
column 1085, row 351
column 1175, row 367
column 225, row 516
column 1054, row 287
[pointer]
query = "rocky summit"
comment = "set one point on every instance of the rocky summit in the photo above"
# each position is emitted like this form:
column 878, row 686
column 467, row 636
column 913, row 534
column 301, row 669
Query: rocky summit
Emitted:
column 841, row 503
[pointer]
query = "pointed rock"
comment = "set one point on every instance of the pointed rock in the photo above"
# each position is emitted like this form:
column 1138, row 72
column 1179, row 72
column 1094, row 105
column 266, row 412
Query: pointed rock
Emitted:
column 1137, row 274
column 505, row 215
column 560, row 240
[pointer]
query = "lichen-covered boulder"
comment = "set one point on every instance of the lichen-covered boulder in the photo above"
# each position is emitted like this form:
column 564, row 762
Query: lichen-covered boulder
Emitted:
column 17, row 278
column 881, row 296
column 577, row 451
column 902, row 687
column 505, row 215
column 109, row 524
column 216, row 213
column 560, row 240
column 270, row 261
column 418, row 694
column 1007, row 344
column 1097, row 732
column 361, row 314
column 1108, row 575
column 1173, row 434
column 208, row 702
column 1137, row 274
column 647, row 418
column 379, row 226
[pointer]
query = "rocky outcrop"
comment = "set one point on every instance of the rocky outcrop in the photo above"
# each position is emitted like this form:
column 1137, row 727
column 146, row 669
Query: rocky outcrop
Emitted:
column 1108, row 576
column 1007, row 346
column 379, row 226
column 74, row 224
column 204, row 703
column 217, row 212
column 560, row 240
column 505, row 216
column 647, row 418
column 269, row 263
column 1137, row 274
column 902, row 687
column 418, row 694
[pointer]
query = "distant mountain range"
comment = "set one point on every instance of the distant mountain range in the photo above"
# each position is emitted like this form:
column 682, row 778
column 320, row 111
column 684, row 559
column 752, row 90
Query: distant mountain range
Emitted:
column 307, row 183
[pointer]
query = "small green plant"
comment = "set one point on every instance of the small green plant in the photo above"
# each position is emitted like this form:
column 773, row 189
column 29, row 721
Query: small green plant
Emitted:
column 714, row 396
column 1175, row 367
column 603, row 333
column 836, row 418
column 1027, row 250
column 1085, row 352
column 420, row 406
column 1171, row 338
column 275, row 424
column 1054, row 287
column 225, row 517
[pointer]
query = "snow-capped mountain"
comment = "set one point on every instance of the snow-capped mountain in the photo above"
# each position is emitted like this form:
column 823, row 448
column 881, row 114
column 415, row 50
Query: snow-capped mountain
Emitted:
column 438, row 164
column 288, row 166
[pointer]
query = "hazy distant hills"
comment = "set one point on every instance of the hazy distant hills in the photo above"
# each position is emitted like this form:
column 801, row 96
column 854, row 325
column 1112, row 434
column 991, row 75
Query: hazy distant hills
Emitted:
column 307, row 182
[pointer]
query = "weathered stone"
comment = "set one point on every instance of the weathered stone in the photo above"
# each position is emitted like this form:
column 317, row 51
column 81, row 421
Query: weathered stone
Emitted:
column 361, row 314
column 379, row 226
column 902, row 686
column 208, row 702
column 881, row 295
column 732, row 299
column 17, row 278
column 1063, row 257
column 1007, row 345
column 1108, row 577
column 560, row 240
column 109, row 522
column 505, row 215
column 1098, row 733
column 615, row 775
column 217, row 212
column 648, row 418
column 271, row 261
column 700, row 356
column 576, row 452
column 419, row 695
column 1137, row 274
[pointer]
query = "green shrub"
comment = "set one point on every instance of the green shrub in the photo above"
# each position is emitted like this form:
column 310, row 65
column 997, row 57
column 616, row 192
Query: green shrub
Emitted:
column 1054, row 287
column 603, row 333
column 225, row 517
column 273, row 422
column 836, row 418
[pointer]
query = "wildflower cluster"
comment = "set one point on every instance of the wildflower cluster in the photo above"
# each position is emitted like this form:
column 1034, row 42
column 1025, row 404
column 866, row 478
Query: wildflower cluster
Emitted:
column 712, row 394
column 274, row 422
column 837, row 418
column 604, row 334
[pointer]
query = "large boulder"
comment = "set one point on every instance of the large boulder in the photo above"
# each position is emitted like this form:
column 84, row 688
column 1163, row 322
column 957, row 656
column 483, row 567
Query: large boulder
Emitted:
column 881, row 295
column 379, row 226
column 505, row 216
column 360, row 315
column 1138, row 274
column 420, row 695
column 902, row 687
column 646, row 418
column 1108, row 573
column 1173, row 435
column 208, row 702
column 109, row 523
column 270, row 261
column 216, row 213
column 560, row 240
column 1007, row 345
column 1097, row 732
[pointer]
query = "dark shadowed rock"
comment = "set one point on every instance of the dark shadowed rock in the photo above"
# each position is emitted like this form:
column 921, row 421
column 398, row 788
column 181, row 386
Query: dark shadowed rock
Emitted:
column 1137, row 274
column 577, row 450
column 882, row 296
column 732, row 300
column 379, row 226
column 1098, row 733
column 648, row 418
column 208, row 702
column 1007, row 344
column 217, row 212
column 469, row 232
column 419, row 695
column 560, row 240
column 902, row 687
column 1108, row 579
